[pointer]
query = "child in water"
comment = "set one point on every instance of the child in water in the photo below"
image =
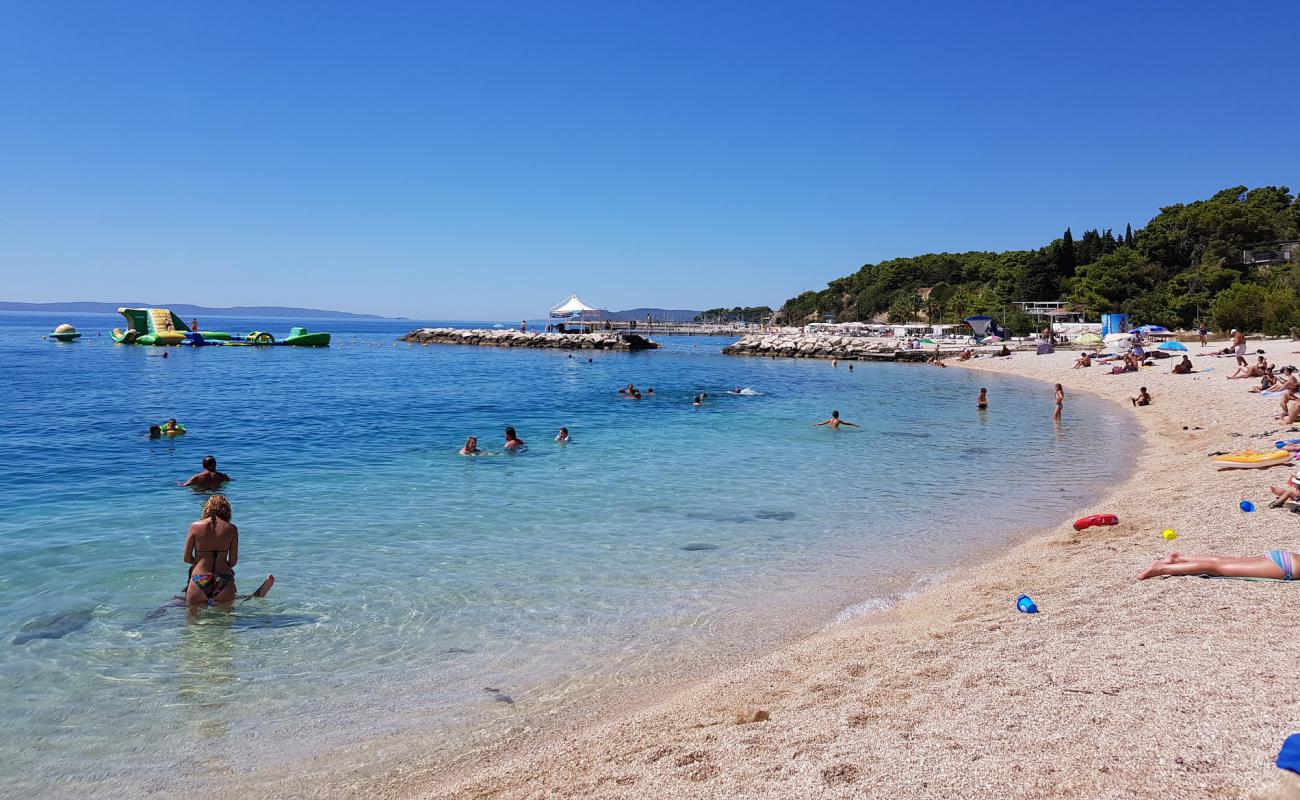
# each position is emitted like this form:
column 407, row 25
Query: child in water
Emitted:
column 1060, row 402
column 982, row 402
column 563, row 436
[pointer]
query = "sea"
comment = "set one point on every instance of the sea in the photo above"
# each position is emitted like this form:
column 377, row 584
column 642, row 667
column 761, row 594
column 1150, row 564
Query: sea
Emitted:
column 425, row 596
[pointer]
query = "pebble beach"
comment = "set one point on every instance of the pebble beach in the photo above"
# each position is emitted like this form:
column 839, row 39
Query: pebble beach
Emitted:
column 1177, row 687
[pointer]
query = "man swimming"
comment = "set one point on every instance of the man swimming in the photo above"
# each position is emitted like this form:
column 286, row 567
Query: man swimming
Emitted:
column 209, row 478
column 835, row 421
column 513, row 442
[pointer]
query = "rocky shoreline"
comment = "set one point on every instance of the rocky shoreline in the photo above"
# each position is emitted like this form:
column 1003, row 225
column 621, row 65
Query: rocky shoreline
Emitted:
column 494, row 337
column 849, row 348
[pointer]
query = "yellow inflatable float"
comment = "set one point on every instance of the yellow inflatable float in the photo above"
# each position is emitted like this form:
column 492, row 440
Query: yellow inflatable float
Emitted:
column 1252, row 459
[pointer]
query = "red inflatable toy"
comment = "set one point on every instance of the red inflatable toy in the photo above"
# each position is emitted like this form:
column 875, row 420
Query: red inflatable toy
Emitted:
column 1095, row 519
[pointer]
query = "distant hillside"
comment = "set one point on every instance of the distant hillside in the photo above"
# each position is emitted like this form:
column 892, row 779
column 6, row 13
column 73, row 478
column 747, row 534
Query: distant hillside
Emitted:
column 659, row 315
column 185, row 310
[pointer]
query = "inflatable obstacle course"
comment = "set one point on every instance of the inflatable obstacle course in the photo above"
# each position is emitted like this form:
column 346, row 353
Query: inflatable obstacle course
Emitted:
column 161, row 327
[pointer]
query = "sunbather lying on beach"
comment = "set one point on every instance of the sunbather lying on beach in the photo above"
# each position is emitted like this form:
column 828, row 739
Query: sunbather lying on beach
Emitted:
column 1255, row 370
column 835, row 421
column 1278, row 564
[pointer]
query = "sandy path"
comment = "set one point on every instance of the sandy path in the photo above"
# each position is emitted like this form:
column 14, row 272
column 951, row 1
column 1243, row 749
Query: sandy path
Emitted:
column 1179, row 687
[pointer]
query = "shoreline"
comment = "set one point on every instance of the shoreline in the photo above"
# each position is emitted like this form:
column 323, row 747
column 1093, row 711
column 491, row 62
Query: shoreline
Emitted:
column 1117, row 688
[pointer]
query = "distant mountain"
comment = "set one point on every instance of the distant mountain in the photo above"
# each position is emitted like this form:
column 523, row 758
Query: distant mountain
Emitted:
column 185, row 310
column 639, row 314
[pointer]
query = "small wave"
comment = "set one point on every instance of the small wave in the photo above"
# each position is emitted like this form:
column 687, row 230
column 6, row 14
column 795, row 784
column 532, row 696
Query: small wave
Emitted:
column 877, row 605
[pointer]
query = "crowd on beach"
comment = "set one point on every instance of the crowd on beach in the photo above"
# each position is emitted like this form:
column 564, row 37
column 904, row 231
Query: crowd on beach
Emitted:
column 1131, row 355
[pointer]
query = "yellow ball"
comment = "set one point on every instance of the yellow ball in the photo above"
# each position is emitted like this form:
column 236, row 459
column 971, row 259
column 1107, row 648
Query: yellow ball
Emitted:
column 1169, row 534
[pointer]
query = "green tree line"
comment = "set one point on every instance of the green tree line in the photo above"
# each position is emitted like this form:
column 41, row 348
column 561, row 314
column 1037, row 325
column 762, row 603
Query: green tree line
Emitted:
column 1186, row 261
column 738, row 314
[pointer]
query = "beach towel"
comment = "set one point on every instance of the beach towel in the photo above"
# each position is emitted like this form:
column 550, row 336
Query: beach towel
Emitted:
column 1288, row 757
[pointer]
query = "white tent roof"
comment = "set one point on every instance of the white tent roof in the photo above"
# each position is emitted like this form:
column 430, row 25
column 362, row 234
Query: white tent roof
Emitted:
column 571, row 305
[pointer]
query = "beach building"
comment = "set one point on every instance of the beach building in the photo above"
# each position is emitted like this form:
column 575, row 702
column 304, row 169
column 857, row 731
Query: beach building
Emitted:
column 1269, row 254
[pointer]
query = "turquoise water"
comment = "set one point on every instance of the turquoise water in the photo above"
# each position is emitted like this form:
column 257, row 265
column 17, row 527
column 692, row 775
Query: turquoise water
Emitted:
column 411, row 580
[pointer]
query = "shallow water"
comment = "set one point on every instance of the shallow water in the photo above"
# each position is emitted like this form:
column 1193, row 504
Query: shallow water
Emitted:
column 417, row 588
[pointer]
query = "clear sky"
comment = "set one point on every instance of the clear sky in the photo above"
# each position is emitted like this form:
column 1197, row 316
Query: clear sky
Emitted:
column 481, row 160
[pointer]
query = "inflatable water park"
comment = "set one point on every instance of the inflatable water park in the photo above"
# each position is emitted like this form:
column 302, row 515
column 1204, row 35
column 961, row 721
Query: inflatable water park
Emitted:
column 160, row 327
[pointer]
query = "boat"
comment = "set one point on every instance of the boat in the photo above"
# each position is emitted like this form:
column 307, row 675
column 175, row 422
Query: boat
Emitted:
column 161, row 327
column 65, row 333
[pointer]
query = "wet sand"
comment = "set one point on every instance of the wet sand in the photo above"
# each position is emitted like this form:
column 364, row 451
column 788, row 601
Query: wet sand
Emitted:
column 1177, row 687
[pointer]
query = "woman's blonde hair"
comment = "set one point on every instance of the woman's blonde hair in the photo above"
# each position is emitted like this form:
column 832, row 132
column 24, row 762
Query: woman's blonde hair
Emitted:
column 217, row 506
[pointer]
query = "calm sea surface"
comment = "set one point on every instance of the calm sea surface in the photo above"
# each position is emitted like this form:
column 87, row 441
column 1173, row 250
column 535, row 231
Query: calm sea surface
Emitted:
column 418, row 590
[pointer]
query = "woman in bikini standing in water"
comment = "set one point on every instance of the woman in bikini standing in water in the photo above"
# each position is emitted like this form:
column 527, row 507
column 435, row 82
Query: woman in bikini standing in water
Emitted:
column 212, row 549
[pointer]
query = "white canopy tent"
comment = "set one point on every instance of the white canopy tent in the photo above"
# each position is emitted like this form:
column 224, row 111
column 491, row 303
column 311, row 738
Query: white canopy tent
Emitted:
column 572, row 306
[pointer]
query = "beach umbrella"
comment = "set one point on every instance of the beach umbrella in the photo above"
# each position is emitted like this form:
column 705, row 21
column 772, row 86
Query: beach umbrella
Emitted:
column 1171, row 345
column 993, row 339
column 1088, row 338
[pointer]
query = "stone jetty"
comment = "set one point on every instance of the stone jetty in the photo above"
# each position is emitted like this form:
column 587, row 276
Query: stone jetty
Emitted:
column 848, row 348
column 507, row 337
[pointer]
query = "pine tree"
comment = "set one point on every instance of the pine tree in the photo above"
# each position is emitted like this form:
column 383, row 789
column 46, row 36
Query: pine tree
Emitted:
column 1128, row 235
column 1065, row 263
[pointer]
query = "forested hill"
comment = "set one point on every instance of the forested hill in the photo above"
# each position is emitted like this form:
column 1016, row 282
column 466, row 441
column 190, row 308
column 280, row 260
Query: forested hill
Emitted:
column 1188, row 258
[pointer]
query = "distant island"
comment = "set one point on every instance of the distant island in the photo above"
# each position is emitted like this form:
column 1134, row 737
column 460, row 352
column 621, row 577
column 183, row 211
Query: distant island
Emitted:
column 186, row 310
column 639, row 315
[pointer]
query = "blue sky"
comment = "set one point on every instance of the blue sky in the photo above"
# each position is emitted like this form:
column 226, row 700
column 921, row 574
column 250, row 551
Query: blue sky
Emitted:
column 482, row 160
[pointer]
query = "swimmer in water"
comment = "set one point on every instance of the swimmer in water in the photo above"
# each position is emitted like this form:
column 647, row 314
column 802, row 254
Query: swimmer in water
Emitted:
column 513, row 442
column 651, row 390
column 209, row 478
column 155, row 432
column 471, row 447
column 563, row 436
column 698, row 401
column 835, row 422
column 1060, row 402
column 982, row 402
column 171, row 426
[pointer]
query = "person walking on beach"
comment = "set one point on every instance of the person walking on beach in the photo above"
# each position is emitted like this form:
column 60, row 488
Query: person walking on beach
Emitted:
column 513, row 442
column 982, row 402
column 1202, row 333
column 835, row 421
column 1239, row 347
column 209, row 478
column 1060, row 401
column 211, row 550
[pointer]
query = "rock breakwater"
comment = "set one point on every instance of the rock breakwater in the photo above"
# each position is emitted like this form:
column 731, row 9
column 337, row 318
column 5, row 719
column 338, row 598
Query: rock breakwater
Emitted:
column 493, row 337
column 811, row 345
